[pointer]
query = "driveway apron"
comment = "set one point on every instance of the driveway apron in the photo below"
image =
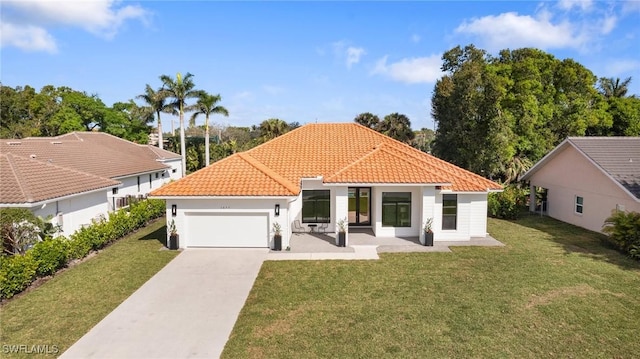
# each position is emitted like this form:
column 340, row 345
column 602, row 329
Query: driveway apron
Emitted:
column 187, row 310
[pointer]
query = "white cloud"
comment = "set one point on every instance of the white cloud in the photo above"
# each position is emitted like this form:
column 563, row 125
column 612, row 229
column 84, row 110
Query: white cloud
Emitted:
column 27, row 38
column 354, row 54
column 622, row 67
column 509, row 30
column 349, row 54
column 411, row 70
column 631, row 6
column 415, row 38
column 608, row 23
column 584, row 5
column 99, row 17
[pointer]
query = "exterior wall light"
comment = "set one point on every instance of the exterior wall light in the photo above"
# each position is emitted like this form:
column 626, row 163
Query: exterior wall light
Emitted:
column 174, row 210
column 277, row 210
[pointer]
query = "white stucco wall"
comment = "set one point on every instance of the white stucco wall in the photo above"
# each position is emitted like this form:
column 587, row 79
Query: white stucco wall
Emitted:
column 570, row 174
column 315, row 184
column 230, row 206
column 175, row 172
column 75, row 211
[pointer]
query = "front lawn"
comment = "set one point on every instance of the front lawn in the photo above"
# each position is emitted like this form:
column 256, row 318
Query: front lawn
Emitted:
column 66, row 307
column 553, row 291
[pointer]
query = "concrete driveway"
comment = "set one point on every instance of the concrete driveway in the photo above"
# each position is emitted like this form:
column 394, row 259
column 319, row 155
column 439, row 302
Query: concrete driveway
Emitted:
column 187, row 310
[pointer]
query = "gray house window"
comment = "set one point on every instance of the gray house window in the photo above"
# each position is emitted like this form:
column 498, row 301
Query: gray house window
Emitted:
column 316, row 206
column 579, row 204
column 396, row 209
column 449, row 211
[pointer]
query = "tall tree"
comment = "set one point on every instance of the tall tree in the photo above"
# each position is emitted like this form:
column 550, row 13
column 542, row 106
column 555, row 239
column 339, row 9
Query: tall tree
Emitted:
column 180, row 89
column 368, row 119
column 397, row 126
column 156, row 100
column 272, row 128
column 207, row 105
column 611, row 87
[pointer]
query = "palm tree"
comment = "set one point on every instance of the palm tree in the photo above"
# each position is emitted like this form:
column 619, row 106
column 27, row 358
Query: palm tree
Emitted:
column 611, row 87
column 272, row 128
column 207, row 104
column 180, row 90
column 156, row 100
column 397, row 126
column 368, row 119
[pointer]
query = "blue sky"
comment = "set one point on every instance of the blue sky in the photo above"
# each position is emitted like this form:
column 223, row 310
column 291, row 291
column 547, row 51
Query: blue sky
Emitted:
column 299, row 61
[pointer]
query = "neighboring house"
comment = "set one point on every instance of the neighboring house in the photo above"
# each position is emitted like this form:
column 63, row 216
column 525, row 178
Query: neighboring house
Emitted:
column 80, row 176
column 584, row 179
column 317, row 175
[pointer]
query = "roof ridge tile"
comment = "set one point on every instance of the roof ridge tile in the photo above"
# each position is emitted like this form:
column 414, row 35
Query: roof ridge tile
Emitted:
column 269, row 172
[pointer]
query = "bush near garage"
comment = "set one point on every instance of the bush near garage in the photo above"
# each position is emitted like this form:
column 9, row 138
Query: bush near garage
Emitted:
column 46, row 257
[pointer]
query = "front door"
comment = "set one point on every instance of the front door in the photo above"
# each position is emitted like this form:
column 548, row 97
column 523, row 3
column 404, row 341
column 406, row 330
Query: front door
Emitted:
column 359, row 206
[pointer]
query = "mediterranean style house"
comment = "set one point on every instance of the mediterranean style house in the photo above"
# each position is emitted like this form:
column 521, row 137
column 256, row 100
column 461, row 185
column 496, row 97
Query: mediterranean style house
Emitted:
column 584, row 179
column 80, row 176
column 317, row 175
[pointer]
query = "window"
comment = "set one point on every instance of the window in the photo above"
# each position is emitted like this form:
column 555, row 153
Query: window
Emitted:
column 316, row 206
column 396, row 209
column 138, row 183
column 449, row 211
column 114, row 190
column 174, row 170
column 157, row 174
column 150, row 180
column 579, row 204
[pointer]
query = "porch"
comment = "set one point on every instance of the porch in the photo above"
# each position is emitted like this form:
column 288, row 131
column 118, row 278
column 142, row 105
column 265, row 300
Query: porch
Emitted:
column 362, row 244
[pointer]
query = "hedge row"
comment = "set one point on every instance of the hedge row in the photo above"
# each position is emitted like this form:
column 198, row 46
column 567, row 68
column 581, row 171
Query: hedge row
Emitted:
column 623, row 229
column 17, row 272
column 507, row 204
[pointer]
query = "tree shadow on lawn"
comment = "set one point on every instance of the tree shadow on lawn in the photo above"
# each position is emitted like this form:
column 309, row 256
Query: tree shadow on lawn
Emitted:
column 159, row 235
column 578, row 240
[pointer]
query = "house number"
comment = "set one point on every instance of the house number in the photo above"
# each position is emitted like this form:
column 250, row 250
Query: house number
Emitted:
column 225, row 207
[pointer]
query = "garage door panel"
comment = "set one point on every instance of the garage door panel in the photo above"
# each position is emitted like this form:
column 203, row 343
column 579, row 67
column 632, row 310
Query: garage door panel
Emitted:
column 227, row 230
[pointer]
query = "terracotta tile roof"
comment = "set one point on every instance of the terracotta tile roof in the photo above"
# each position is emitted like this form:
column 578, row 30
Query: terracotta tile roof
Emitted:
column 337, row 152
column 96, row 153
column 26, row 180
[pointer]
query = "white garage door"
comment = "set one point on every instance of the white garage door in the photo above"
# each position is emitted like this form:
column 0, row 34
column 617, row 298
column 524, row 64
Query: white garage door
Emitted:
column 227, row 230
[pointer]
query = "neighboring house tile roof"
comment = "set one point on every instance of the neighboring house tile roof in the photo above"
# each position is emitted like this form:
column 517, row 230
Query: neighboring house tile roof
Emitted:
column 96, row 153
column 337, row 152
column 26, row 180
column 618, row 157
column 41, row 168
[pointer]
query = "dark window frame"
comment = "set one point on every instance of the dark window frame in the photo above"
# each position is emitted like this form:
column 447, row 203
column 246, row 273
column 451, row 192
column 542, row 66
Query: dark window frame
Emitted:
column 579, row 205
column 319, row 195
column 446, row 225
column 396, row 202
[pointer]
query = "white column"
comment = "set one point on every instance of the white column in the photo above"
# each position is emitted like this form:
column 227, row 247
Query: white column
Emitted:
column 342, row 208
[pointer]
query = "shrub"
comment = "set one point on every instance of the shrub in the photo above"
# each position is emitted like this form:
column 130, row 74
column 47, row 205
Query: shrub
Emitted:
column 19, row 229
column 506, row 204
column 623, row 229
column 16, row 273
column 50, row 255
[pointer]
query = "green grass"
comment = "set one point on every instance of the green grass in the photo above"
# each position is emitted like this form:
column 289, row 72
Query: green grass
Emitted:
column 553, row 291
column 67, row 306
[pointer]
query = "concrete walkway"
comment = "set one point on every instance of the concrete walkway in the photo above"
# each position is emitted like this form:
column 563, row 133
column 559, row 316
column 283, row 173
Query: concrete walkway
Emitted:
column 187, row 310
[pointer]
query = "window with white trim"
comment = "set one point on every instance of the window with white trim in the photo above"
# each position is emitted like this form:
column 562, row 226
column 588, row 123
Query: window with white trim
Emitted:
column 449, row 211
column 579, row 204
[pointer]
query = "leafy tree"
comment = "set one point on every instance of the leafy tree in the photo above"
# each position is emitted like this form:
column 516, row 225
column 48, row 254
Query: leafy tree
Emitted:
column 497, row 116
column 397, row 126
column 156, row 100
column 368, row 119
column 129, row 121
column 180, row 89
column 625, row 113
column 207, row 105
column 272, row 128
